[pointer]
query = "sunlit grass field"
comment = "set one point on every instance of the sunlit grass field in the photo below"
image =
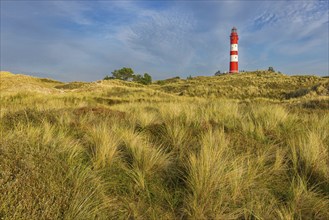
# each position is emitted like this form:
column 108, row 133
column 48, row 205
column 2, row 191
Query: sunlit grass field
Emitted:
column 248, row 146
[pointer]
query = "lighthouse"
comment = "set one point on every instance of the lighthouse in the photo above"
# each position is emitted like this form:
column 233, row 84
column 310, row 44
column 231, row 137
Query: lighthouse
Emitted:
column 234, row 67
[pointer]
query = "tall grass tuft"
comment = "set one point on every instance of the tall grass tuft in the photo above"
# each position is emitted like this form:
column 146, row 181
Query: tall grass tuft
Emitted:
column 103, row 143
column 206, row 178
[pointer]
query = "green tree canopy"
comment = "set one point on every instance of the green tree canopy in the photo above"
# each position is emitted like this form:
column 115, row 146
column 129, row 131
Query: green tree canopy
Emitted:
column 128, row 74
column 108, row 77
column 271, row 69
column 146, row 79
column 124, row 73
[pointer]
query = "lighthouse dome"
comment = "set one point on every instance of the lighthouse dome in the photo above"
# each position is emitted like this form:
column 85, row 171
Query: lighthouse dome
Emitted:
column 234, row 30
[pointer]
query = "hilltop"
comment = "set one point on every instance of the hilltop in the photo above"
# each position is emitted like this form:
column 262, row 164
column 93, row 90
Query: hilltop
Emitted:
column 249, row 85
column 23, row 83
column 258, row 84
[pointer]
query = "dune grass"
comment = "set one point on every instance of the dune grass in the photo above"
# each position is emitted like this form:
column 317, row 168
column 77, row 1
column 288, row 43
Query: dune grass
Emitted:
column 154, row 155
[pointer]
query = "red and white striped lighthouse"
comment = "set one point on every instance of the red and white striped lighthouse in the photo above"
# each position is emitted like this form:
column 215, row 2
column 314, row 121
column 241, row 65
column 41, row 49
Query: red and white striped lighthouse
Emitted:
column 234, row 67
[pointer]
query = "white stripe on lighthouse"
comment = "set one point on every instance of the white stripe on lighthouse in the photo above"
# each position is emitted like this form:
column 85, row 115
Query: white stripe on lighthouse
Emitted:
column 234, row 58
column 234, row 47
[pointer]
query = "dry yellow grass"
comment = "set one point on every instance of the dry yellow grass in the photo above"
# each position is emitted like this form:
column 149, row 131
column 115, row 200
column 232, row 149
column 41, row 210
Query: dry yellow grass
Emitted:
column 120, row 150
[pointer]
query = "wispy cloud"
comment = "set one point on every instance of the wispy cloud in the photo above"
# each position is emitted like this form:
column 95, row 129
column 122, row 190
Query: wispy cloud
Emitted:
column 264, row 20
column 85, row 40
column 164, row 35
column 73, row 11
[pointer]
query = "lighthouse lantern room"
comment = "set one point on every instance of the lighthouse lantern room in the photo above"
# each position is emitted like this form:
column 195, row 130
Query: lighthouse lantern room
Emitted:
column 234, row 67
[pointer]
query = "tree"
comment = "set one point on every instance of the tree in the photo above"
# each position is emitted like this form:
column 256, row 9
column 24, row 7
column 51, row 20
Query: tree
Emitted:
column 108, row 77
column 271, row 69
column 217, row 73
column 146, row 79
column 123, row 74
column 127, row 74
column 138, row 78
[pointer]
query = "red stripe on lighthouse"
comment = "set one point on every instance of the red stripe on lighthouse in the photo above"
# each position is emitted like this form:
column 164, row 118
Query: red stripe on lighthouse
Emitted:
column 234, row 66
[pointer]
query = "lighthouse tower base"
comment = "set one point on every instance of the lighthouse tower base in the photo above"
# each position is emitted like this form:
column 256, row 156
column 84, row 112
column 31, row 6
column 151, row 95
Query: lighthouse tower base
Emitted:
column 234, row 67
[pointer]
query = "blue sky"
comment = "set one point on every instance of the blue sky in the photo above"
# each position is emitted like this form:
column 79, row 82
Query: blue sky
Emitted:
column 86, row 40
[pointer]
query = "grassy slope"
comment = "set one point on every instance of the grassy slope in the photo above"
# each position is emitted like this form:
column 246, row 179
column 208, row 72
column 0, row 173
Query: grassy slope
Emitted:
column 248, row 85
column 259, row 84
column 175, row 149
column 23, row 83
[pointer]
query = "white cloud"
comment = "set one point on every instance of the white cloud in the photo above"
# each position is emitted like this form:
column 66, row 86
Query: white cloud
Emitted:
column 76, row 12
column 178, row 38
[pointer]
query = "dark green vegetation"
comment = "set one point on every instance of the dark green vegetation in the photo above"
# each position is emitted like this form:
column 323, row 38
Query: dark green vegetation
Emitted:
column 248, row 146
column 127, row 74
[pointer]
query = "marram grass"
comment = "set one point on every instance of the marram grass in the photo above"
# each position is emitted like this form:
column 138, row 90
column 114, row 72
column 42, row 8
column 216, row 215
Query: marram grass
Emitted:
column 79, row 153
